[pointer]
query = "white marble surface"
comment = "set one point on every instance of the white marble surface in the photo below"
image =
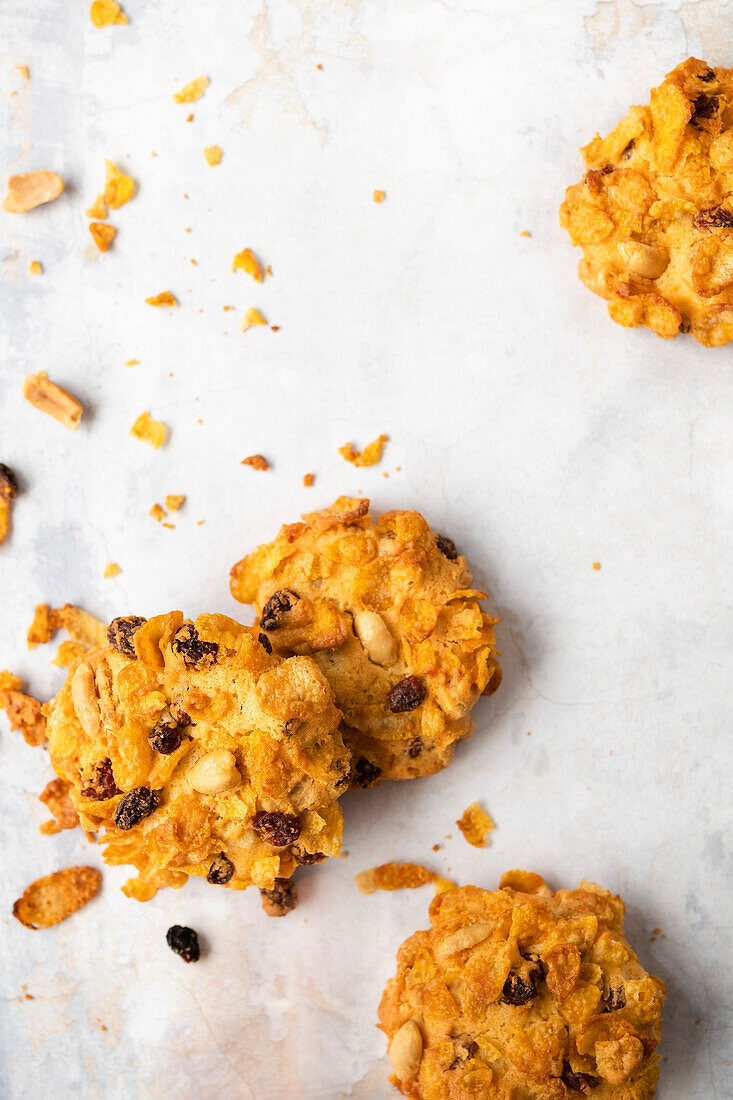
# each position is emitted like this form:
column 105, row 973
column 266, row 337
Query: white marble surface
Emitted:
column 525, row 424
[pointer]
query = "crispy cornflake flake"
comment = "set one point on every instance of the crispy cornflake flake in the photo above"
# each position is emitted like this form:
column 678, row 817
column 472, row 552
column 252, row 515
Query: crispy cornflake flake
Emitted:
column 165, row 298
column 152, row 432
column 23, row 70
column 393, row 876
column 247, row 261
column 257, row 462
column 192, row 91
column 83, row 627
column 174, row 501
column 111, row 569
column 118, row 188
column 23, row 711
column 49, row 398
column 46, row 621
column 31, row 189
column 475, row 824
column 308, row 480
column 68, row 652
column 379, row 196
column 53, row 898
column 35, row 267
column 213, row 154
column 103, row 235
column 369, row 456
column 158, row 512
column 55, row 796
column 106, row 13
column 98, row 209
column 596, row 565
column 252, row 317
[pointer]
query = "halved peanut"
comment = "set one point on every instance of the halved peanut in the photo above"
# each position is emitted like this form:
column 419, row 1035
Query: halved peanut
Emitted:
column 49, row 398
column 215, row 773
column 374, row 635
column 85, row 699
column 649, row 261
column 30, row 189
column 405, row 1050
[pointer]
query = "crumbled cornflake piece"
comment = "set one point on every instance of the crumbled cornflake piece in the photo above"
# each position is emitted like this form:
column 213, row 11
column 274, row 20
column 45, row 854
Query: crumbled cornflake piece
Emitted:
column 379, row 196
column 252, row 317
column 118, row 188
column 35, row 267
column 111, row 569
column 247, row 261
column 308, row 480
column 23, row 711
column 49, row 398
column 475, row 824
column 174, row 501
column 158, row 512
column 369, row 456
column 227, row 308
column 170, row 526
column 192, row 91
column 23, row 70
column 131, row 362
column 264, row 871
column 31, row 189
column 393, row 876
column 46, row 621
column 83, row 627
column 268, row 271
column 525, row 233
column 103, row 235
column 163, row 299
column 55, row 795
column 596, row 565
column 105, row 13
column 98, row 209
column 257, row 462
column 213, row 155
column 53, row 898
column 68, row 652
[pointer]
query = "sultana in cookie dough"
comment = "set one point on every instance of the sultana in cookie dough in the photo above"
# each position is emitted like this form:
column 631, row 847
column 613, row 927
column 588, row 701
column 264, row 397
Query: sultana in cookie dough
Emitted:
column 388, row 611
column 200, row 752
column 654, row 212
column 519, row 992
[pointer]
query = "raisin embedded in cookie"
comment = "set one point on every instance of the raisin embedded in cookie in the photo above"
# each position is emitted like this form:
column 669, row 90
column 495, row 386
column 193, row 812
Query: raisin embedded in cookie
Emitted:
column 654, row 212
column 200, row 752
column 522, row 992
column 388, row 611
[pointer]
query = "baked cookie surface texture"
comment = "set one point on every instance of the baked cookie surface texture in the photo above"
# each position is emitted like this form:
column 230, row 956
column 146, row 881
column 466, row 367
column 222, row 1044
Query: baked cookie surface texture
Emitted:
column 198, row 752
column 388, row 611
column 522, row 994
column 654, row 211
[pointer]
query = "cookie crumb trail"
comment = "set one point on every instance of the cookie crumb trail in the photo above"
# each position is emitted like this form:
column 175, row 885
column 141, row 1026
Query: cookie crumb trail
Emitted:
column 596, row 565
column 192, row 91
column 55, row 796
column 49, row 398
column 28, row 190
column 399, row 876
column 252, row 317
column 165, row 298
column 369, row 456
column 174, row 501
column 53, row 898
column 475, row 824
column 107, row 13
column 213, row 154
column 111, row 569
column 98, row 209
column 35, row 267
column 158, row 512
column 379, row 196
column 308, row 480
column 102, row 235
column 118, row 187
column 23, row 711
column 247, row 261
column 153, row 432
column 257, row 462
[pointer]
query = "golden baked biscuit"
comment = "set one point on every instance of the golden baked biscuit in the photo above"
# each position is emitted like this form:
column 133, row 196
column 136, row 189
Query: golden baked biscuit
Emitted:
column 519, row 992
column 654, row 212
column 199, row 752
column 388, row 612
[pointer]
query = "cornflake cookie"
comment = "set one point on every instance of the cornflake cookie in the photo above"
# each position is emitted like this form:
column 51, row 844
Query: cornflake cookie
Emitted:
column 654, row 212
column 388, row 612
column 200, row 752
column 519, row 992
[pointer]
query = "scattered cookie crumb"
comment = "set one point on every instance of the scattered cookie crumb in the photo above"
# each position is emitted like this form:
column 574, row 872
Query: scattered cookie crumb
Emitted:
column 55, row 796
column 23, row 70
column 379, row 196
column 35, row 267
column 174, row 501
column 23, row 711
column 227, row 308
column 102, row 235
column 319, row 67
column 252, row 317
column 257, row 462
column 158, row 512
column 368, row 457
column 213, row 154
column 31, row 189
column 247, row 261
column 53, row 898
column 8, row 492
column 192, row 91
column 131, row 362
column 170, row 526
column 98, row 209
column 118, row 188
column 399, row 876
column 68, row 652
column 111, row 569
column 153, row 432
column 106, row 13
column 525, row 233
column 51, row 399
column 596, row 565
column 165, row 298
column 475, row 824
column 308, row 480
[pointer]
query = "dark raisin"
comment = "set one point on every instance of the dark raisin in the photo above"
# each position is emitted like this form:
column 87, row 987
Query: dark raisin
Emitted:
column 281, row 899
column 101, row 783
column 120, row 632
column 414, row 748
column 165, row 738
column 195, row 653
column 629, row 150
column 521, row 986
column 179, row 715
column 465, row 1048
column 717, row 218
column 277, row 608
column 363, row 774
column 8, row 483
column 614, row 999
column 184, row 941
column 305, row 859
column 134, row 806
column 265, row 642
column 578, row 1082
column 446, row 546
column 607, row 169
column 221, row 871
column 705, row 107
column 406, row 695
column 276, row 828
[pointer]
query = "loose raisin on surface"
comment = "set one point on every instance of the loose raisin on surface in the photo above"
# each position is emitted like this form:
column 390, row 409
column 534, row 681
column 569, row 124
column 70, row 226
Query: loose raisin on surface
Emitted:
column 120, row 632
column 446, row 546
column 184, row 941
column 221, row 871
column 406, row 695
column 277, row 608
column 196, row 654
column 705, row 107
column 281, row 899
column 305, row 859
column 614, row 999
column 414, row 748
column 101, row 783
column 363, row 774
column 265, row 642
column 578, row 1082
column 276, row 828
column 134, row 806
column 165, row 738
column 8, row 482
column 521, row 986
column 717, row 218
